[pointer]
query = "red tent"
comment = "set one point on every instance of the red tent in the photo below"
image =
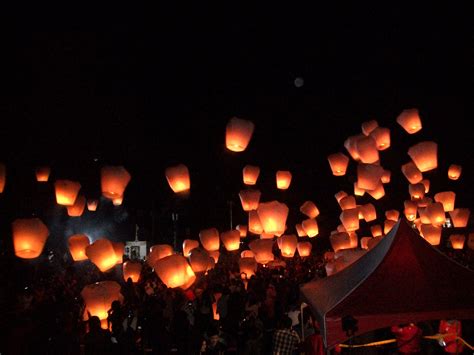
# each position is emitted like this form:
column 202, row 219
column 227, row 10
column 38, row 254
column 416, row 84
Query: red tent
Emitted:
column 402, row 279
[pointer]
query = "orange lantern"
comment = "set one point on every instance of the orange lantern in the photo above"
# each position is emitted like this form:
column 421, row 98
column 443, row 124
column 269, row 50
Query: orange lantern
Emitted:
column 388, row 225
column 416, row 191
column 410, row 120
column 431, row 233
column 262, row 248
column 369, row 212
column 364, row 242
column 338, row 163
column 255, row 226
column 354, row 239
column 411, row 172
column 457, row 241
column 273, row 216
column 367, row 149
column 300, row 230
column 283, row 179
column 304, row 249
column 119, row 248
column 341, row 228
column 350, row 219
column 231, row 240
column 426, row 184
column 351, row 145
column 410, row 210
column 376, row 230
column 309, row 209
column 358, row 191
column 424, row 218
column 114, row 181
column 424, row 155
column 77, row 209
column 248, row 267
column 159, row 251
column 386, row 176
column 242, row 228
column 378, row 192
column 102, row 254
column 210, row 239
column 77, row 246
column 454, row 171
column 425, row 201
column 381, row 136
column 250, row 174
column 340, row 241
column 132, row 270
column 340, row 195
column 392, row 215
column 214, row 255
column 42, row 173
column 368, row 176
column 174, row 271
column 447, row 198
column 247, row 254
column 249, row 199
column 238, row 134
column 460, row 217
column 188, row 245
column 435, row 213
column 288, row 245
column 178, row 178
column 98, row 298
column 29, row 237
column 310, row 227
column 92, row 205
column 369, row 126
column 347, row 203
column 117, row 201
column 266, row 236
column 3, row 177
column 200, row 260
column 66, row 192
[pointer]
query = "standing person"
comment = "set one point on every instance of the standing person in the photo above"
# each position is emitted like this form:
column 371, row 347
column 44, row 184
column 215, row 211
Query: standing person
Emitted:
column 285, row 340
column 408, row 338
column 453, row 328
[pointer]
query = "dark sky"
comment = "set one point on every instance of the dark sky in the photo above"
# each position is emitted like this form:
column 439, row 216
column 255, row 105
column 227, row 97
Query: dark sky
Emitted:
column 150, row 88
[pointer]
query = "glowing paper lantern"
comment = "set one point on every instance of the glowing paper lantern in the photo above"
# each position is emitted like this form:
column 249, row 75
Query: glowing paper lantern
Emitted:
column 92, row 205
column 309, row 209
column 457, row 241
column 425, row 201
column 382, row 137
column 426, row 184
column 29, row 237
column 119, row 248
column 255, row 226
column 347, row 203
column 214, row 255
column 66, row 192
column 368, row 176
column 174, row 271
column 425, row 219
column 231, row 239
column 460, row 217
column 340, row 195
column 338, row 163
column 392, row 215
column 160, row 251
column 378, row 192
column 188, row 245
column 248, row 267
column 209, row 239
column 376, row 230
column 132, row 270
column 436, row 213
column 102, row 254
column 114, row 181
column 300, row 230
column 273, row 216
column 340, row 241
column 117, row 201
column 454, row 171
column 416, row 191
column 283, row 179
column 250, row 174
column 77, row 246
column 247, row 254
column 369, row 212
column 238, row 134
column 288, row 245
column 364, row 242
column 341, row 228
column 354, row 240
column 386, row 176
column 98, row 298
column 310, row 226
column 431, row 233
column 304, row 249
column 369, row 126
column 412, row 173
column 200, row 260
column 410, row 210
column 367, row 149
column 242, row 228
column 350, row 219
column 266, row 236
column 178, row 178
column 351, row 145
column 388, row 225
column 77, row 208
column 262, row 248
column 447, row 198
column 42, row 173
column 424, row 155
column 358, row 191
column 249, row 199
column 3, row 177
column 410, row 120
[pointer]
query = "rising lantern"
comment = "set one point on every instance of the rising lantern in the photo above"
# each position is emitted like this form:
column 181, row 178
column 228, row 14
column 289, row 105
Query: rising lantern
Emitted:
column 392, row 215
column 255, row 226
column 412, row 173
column 188, row 245
column 460, row 217
column 92, row 205
column 249, row 199
column 29, row 237
column 340, row 195
column 132, row 270
column 42, row 173
column 310, row 227
column 454, row 171
column 424, row 155
column 310, row 209
column 369, row 126
column 416, row 191
column 410, row 120
column 174, row 271
column 340, row 240
column 426, row 183
column 351, row 145
column 283, row 179
column 262, row 248
column 273, row 216
column 381, row 136
column 367, row 150
column 238, row 134
column 350, row 219
column 368, row 212
column 358, row 191
column 457, row 241
column 250, row 174
column 102, row 254
column 159, row 251
column 248, row 267
column 447, row 198
column 117, row 201
column 378, row 192
column 242, row 228
column 77, row 208
column 214, row 255
column 388, row 225
column 386, row 176
column 300, row 230
column 200, row 260
column 98, row 298
column 435, row 213
column 77, row 246
column 347, row 202
column 410, row 210
column 113, row 181
column 376, row 230
column 66, row 192
column 209, row 239
column 431, row 233
column 368, row 176
column 288, row 245
column 247, row 254
column 178, row 178
column 231, row 240
column 304, row 249
column 364, row 242
column 338, row 163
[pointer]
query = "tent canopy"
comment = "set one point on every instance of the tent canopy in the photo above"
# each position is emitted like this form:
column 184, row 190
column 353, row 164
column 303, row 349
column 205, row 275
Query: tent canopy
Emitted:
column 402, row 279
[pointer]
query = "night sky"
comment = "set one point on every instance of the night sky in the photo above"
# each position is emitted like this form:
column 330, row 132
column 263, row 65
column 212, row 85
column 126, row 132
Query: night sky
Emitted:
column 148, row 89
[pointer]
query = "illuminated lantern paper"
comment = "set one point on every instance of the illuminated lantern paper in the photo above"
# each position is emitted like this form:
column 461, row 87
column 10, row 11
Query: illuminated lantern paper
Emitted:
column 368, row 176
column 250, row 174
column 210, row 239
column 412, row 173
column 3, row 177
column 358, row 191
column 367, row 149
column 410, row 120
column 262, row 248
column 447, row 198
column 231, row 239
column 273, row 216
column 174, row 271
column 426, row 184
column 369, row 126
column 42, row 173
column 214, row 255
column 340, row 195
column 416, row 191
column 249, row 199
column 77, row 246
column 102, row 254
column 424, row 155
column 304, row 249
column 338, row 163
column 247, row 254
column 354, row 239
column 288, row 245
column 309, row 209
column 381, row 136
column 200, row 260
column 248, row 267
column 92, row 205
column 410, row 210
column 242, row 228
column 431, row 233
column 386, row 176
column 454, row 171
column 341, row 228
column 188, row 245
column 351, row 145
column 266, row 236
column 77, row 209
column 255, row 226
column 66, row 192
column 376, row 230
column 132, row 270
column 425, row 219
column 361, row 215
column 114, row 181
column 29, row 237
column 457, row 241
column 283, row 179
column 300, row 230
column 364, row 242
column 369, row 212
column 159, row 251
column 178, row 178
column 98, row 298
column 425, row 201
column 117, row 201
column 119, row 248
column 460, row 217
column 310, row 226
column 340, row 241
column 348, row 203
column 392, row 215
column 378, row 192
column 417, row 223
column 388, row 225
column 350, row 219
column 238, row 134
column 436, row 213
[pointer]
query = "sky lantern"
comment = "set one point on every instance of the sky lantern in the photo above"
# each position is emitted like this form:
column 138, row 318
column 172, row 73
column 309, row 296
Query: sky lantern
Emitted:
column 92, row 205
column 447, row 198
column 242, row 228
column 378, row 192
column 392, row 215
column 114, row 181
column 381, row 136
column 354, row 239
column 255, row 225
column 309, row 209
column 250, row 174
column 66, row 192
column 200, row 260
column 214, row 255
column 174, row 271
column 102, row 254
column 386, row 176
column 422, row 212
column 410, row 210
column 416, row 191
column 417, row 223
column 210, row 239
column 424, row 155
column 132, row 269
column 376, row 230
column 273, row 216
column 248, row 267
column 369, row 212
column 77, row 246
column 457, row 241
column 368, row 176
column 178, row 178
column 412, row 173
column 238, row 134
column 159, row 251
column 340, row 195
column 431, row 233
column 369, row 126
column 454, row 171
column 247, row 254
column 3, row 177
column 410, row 120
column 340, row 241
column 29, row 237
column 350, row 219
column 364, row 242
column 117, row 201
column 425, row 201
column 188, row 245
column 347, row 202
column 249, row 199
column 436, row 213
column 341, row 228
column 304, row 249
column 338, row 163
column 300, row 230
column 460, row 217
column 42, row 173
column 426, row 184
column 231, row 239
column 283, row 179
column 98, row 298
column 119, row 248
column 267, row 236
column 77, row 208
column 388, row 225
column 367, row 149
column 263, row 250
column 310, row 227
column 351, row 146
column 288, row 245
column 358, row 191
column 361, row 214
